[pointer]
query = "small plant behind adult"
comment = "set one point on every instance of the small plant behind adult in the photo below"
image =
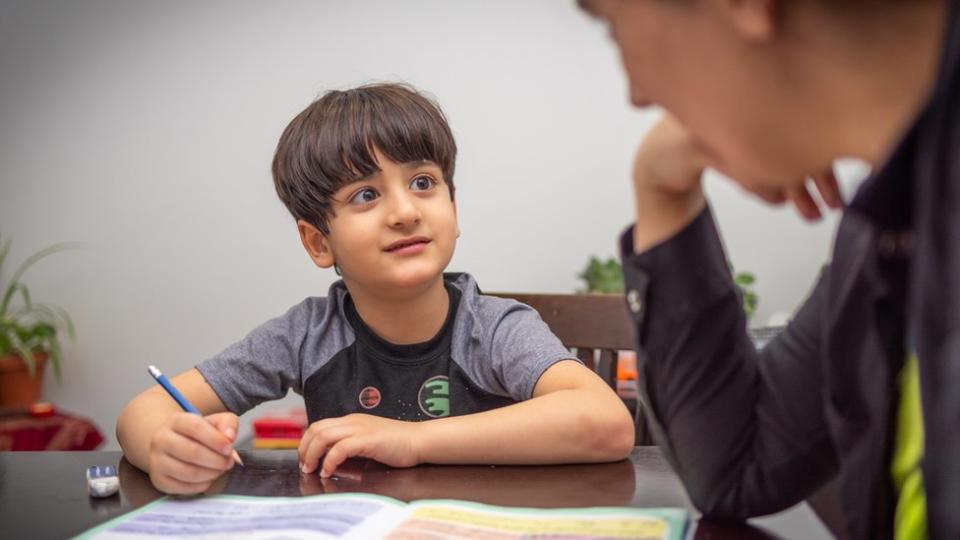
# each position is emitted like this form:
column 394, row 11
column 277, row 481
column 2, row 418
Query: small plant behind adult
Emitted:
column 745, row 281
column 602, row 276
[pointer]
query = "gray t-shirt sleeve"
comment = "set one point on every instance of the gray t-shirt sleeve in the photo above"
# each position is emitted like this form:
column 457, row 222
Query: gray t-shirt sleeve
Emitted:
column 521, row 348
column 265, row 364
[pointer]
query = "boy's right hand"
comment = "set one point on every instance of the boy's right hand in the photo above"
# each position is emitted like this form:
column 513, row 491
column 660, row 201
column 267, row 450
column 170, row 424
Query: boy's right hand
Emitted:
column 190, row 451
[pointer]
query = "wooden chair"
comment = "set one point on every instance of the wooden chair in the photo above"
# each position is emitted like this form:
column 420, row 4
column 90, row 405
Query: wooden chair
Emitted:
column 596, row 326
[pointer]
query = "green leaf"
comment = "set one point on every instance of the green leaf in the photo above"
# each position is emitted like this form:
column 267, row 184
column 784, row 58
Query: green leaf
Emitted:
column 602, row 276
column 20, row 349
column 6, row 344
column 60, row 317
column 744, row 281
column 33, row 259
column 24, row 293
column 55, row 354
column 4, row 249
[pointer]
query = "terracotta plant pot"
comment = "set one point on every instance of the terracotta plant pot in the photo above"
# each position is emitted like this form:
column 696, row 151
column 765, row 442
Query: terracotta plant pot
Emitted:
column 17, row 387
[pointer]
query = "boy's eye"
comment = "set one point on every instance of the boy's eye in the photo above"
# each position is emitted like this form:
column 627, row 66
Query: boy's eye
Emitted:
column 422, row 183
column 363, row 196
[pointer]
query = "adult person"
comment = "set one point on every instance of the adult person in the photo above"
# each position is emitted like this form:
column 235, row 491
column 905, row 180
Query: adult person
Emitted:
column 770, row 92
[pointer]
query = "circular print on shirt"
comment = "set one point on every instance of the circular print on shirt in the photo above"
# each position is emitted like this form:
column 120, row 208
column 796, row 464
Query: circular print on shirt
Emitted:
column 369, row 397
column 434, row 396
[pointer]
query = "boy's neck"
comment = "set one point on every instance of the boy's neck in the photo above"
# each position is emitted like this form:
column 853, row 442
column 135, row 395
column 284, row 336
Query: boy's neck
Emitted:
column 413, row 318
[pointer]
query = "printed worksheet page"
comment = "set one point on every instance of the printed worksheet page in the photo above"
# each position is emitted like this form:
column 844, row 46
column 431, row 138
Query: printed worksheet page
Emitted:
column 362, row 516
column 256, row 518
column 474, row 521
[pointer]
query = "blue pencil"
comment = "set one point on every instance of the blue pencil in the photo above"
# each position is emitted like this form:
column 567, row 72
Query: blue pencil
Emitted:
column 181, row 400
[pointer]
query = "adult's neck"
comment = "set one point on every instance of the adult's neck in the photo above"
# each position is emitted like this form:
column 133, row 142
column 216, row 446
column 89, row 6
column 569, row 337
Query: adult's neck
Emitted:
column 866, row 75
column 412, row 315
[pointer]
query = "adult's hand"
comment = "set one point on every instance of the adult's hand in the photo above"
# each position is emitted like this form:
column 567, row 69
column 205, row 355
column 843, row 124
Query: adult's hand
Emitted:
column 668, row 188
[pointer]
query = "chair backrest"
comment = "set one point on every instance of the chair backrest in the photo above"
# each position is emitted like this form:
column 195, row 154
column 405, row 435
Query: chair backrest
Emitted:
column 597, row 326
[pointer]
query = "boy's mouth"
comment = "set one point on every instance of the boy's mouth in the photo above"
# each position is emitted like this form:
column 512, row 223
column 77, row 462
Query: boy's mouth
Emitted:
column 405, row 243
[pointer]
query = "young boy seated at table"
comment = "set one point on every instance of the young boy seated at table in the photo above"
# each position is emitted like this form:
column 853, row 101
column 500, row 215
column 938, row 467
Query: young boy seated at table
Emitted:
column 368, row 175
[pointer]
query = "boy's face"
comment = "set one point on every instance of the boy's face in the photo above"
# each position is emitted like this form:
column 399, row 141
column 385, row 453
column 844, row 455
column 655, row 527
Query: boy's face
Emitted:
column 390, row 232
column 718, row 68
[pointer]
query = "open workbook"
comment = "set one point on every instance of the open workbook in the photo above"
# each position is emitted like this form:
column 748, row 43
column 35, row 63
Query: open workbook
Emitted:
column 362, row 516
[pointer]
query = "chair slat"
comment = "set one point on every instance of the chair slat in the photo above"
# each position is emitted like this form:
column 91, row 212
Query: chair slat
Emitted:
column 586, row 355
column 607, row 367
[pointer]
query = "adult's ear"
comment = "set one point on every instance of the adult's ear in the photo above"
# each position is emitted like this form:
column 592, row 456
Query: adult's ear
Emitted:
column 316, row 244
column 754, row 20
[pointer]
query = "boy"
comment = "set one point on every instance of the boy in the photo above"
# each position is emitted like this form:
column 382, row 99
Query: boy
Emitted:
column 368, row 175
column 864, row 383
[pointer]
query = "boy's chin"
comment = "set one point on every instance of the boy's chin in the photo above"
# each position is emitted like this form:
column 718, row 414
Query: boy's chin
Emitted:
column 414, row 279
column 401, row 284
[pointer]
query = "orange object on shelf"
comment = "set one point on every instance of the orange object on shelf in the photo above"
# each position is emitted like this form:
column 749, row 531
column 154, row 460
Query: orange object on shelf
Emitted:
column 270, row 443
column 279, row 430
column 627, row 366
column 627, row 374
column 42, row 410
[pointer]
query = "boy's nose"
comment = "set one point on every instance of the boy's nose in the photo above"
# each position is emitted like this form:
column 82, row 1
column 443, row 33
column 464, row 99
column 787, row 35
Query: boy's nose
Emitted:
column 403, row 211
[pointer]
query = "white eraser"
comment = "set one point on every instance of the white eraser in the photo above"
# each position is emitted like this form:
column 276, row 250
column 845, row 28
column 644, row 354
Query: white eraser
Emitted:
column 102, row 480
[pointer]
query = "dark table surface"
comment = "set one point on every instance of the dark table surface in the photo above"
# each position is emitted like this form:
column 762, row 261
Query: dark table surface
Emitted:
column 43, row 494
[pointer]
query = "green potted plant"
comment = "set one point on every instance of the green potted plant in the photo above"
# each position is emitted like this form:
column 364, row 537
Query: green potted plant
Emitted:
column 602, row 276
column 29, row 333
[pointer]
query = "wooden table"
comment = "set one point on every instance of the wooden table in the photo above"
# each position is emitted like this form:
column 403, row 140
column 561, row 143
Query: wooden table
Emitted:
column 43, row 494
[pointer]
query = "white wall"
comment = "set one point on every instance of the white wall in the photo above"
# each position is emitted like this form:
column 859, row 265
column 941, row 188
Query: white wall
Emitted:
column 146, row 129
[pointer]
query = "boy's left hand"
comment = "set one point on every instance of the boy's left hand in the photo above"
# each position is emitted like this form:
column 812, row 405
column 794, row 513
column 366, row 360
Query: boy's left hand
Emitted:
column 392, row 442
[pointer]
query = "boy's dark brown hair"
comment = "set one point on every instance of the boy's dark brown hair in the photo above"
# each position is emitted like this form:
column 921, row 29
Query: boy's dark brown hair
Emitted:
column 331, row 143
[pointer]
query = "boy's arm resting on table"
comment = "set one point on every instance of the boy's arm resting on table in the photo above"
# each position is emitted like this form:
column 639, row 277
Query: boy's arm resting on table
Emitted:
column 573, row 417
column 745, row 430
column 181, row 451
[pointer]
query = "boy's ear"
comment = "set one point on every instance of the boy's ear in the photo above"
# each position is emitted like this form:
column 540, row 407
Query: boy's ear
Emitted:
column 316, row 244
column 754, row 20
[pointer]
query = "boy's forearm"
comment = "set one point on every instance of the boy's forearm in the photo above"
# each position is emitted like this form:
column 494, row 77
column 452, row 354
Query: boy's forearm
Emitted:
column 567, row 426
column 139, row 420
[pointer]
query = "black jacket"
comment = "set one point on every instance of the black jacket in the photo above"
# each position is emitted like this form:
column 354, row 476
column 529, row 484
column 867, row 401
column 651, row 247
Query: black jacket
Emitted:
column 750, row 432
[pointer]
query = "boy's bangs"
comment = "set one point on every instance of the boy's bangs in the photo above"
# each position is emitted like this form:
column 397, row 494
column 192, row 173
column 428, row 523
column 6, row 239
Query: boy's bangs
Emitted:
column 400, row 129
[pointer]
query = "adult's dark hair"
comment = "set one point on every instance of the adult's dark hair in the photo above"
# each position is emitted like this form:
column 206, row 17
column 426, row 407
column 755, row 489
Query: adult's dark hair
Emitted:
column 331, row 143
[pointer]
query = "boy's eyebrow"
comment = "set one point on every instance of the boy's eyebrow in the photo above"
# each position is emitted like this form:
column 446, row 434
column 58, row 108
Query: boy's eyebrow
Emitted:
column 409, row 165
column 419, row 163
